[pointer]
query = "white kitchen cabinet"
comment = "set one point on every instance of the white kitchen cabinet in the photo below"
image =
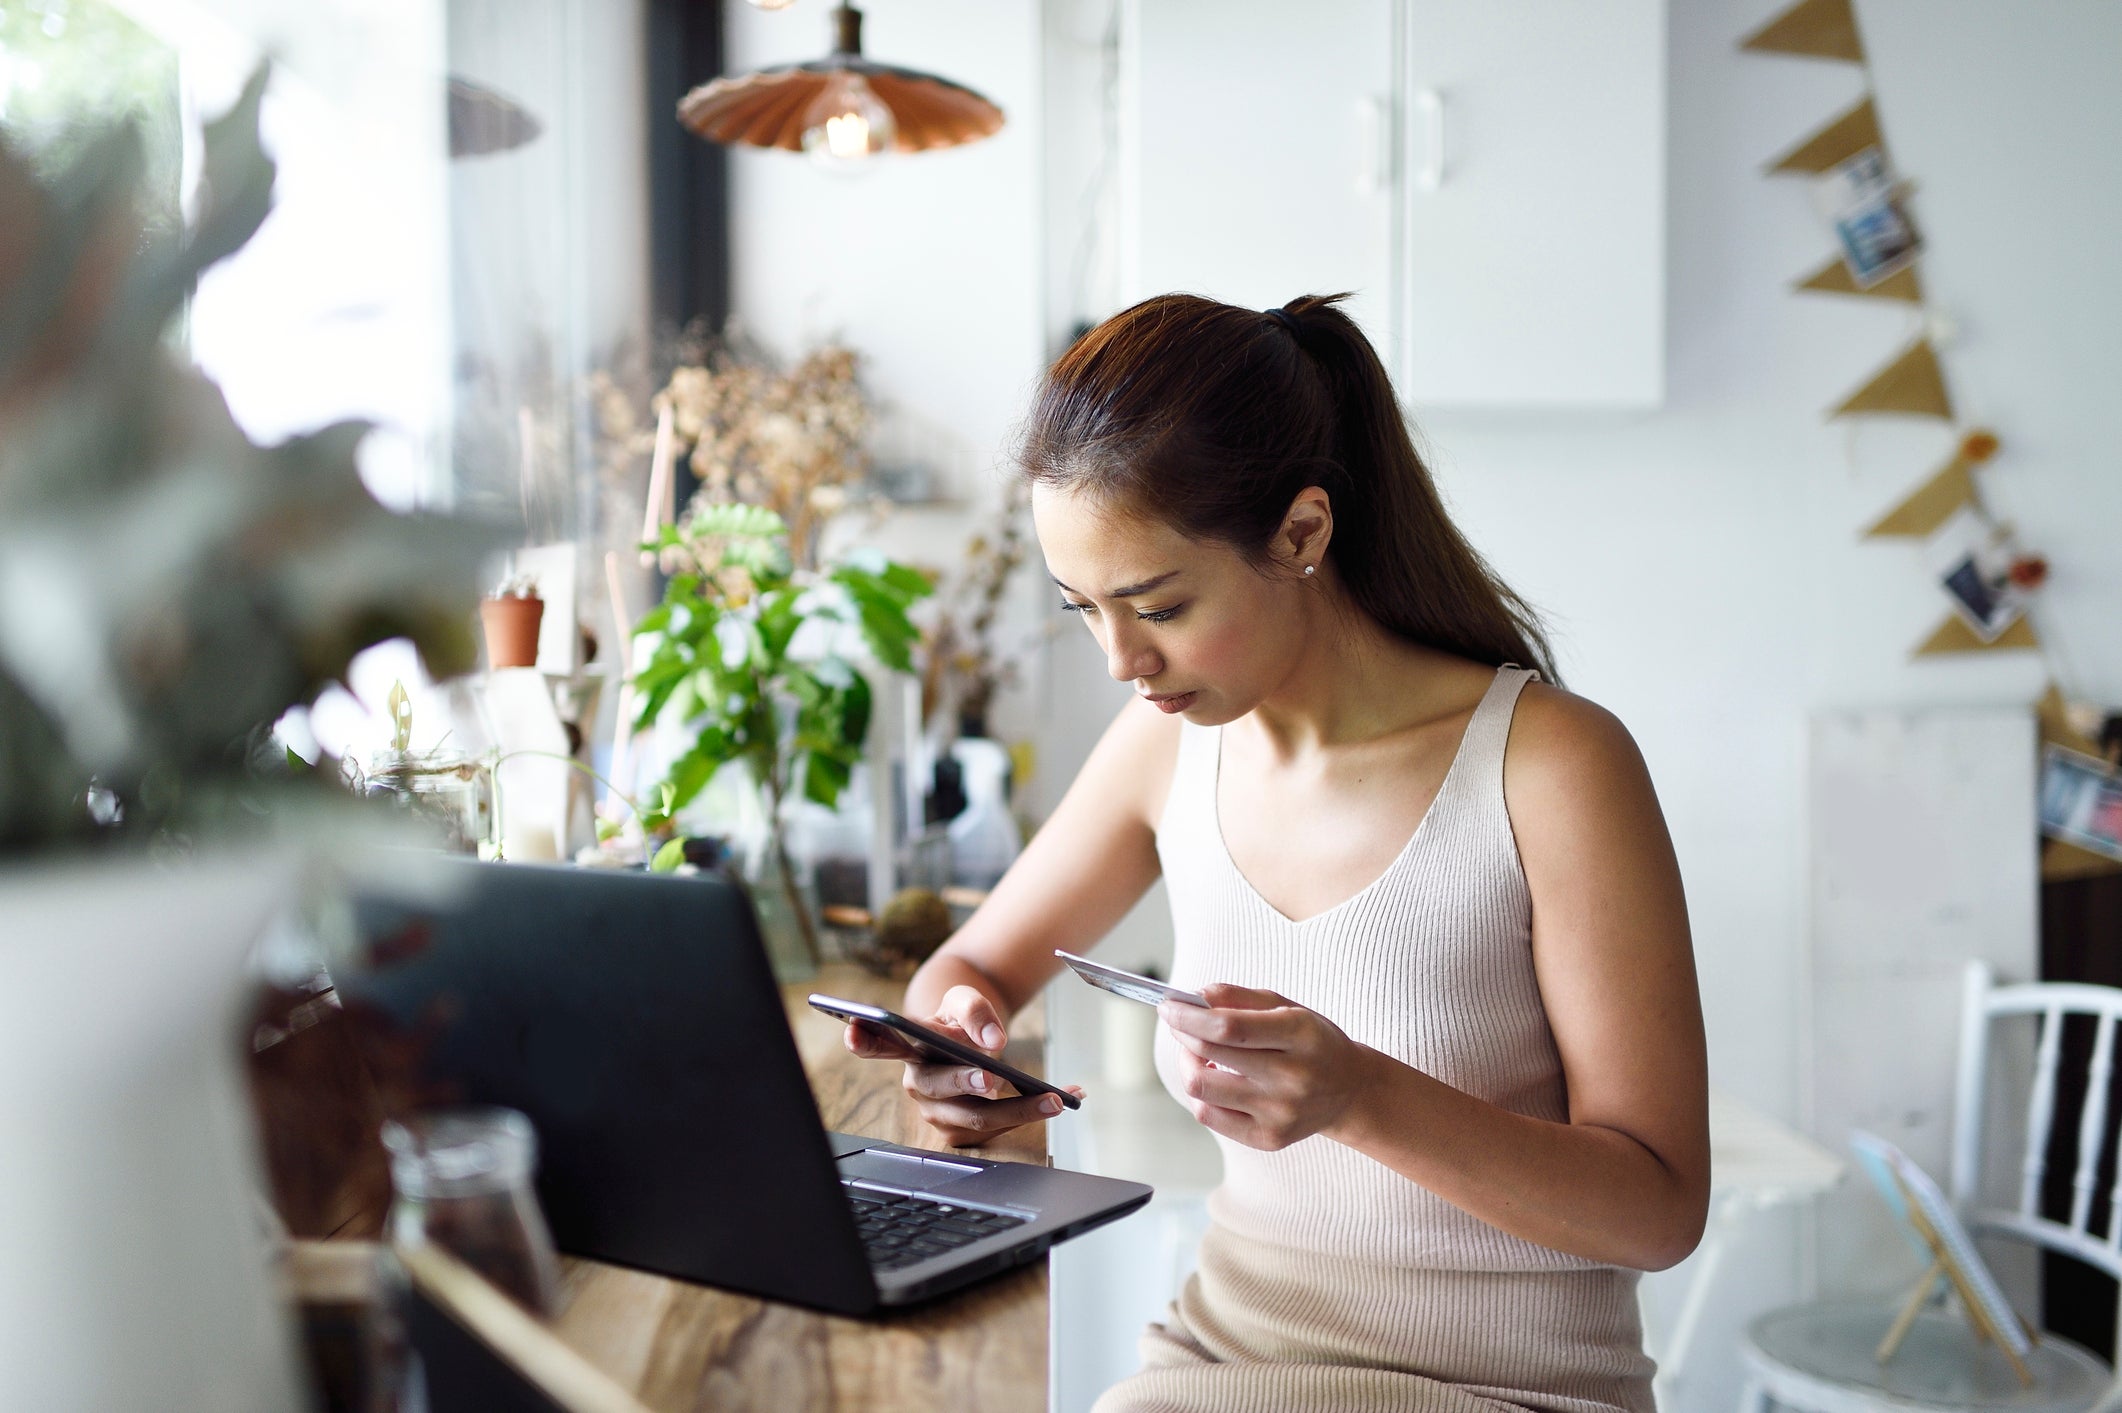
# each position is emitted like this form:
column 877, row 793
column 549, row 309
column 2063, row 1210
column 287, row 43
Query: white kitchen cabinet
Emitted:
column 1256, row 151
column 1488, row 176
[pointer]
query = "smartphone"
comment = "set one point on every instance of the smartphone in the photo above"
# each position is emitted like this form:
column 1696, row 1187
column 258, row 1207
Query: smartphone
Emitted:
column 1148, row 990
column 935, row 1045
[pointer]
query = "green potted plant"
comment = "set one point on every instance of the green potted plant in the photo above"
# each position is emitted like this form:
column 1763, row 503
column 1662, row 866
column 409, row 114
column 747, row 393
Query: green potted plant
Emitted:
column 167, row 591
column 742, row 653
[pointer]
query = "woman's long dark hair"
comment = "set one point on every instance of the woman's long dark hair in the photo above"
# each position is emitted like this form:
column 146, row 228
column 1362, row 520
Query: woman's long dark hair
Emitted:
column 1211, row 418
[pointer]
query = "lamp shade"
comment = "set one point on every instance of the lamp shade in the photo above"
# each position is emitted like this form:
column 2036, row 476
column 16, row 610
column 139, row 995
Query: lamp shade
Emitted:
column 769, row 108
column 482, row 121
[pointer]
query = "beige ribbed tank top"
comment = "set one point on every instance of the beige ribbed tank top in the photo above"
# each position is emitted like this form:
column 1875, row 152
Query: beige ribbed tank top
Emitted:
column 1431, row 963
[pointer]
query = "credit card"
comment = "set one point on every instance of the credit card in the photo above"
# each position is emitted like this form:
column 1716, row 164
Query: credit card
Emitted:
column 1148, row 990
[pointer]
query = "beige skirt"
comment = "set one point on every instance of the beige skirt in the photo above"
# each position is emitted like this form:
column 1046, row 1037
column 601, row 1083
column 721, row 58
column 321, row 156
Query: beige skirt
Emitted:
column 1269, row 1329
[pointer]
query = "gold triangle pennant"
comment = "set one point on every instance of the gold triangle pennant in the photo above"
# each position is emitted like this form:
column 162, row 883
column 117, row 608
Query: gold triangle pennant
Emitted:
column 2061, row 859
column 2052, row 712
column 1834, row 278
column 1954, row 636
column 1911, row 384
column 1834, row 144
column 1816, row 29
column 1930, row 504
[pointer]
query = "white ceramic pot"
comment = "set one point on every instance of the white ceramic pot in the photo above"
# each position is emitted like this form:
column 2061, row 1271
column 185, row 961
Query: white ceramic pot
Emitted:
column 133, row 1269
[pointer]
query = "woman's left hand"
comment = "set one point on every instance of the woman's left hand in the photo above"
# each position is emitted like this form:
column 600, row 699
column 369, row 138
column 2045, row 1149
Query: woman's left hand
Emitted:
column 1263, row 1070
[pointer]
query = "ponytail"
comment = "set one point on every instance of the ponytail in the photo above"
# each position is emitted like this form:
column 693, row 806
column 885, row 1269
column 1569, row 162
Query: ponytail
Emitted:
column 1212, row 418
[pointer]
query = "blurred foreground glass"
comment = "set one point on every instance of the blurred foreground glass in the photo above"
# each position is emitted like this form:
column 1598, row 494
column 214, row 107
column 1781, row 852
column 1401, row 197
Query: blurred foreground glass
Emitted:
column 461, row 1179
column 351, row 1297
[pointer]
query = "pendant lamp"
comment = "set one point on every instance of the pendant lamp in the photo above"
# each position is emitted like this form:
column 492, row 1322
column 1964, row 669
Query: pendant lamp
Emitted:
column 842, row 109
column 482, row 121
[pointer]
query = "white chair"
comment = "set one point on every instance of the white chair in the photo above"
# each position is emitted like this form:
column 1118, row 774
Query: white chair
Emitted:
column 1820, row 1357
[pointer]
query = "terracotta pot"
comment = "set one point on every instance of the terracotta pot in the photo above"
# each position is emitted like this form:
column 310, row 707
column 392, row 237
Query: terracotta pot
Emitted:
column 511, row 623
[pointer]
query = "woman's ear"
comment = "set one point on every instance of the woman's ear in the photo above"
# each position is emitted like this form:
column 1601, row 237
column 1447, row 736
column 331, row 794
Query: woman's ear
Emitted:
column 1307, row 527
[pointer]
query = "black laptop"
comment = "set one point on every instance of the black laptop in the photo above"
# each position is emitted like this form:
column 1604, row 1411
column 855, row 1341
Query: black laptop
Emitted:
column 636, row 1021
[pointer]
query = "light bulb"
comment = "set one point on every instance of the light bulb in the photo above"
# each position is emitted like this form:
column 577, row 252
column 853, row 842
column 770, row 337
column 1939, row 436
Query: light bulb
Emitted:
column 847, row 124
column 773, row 4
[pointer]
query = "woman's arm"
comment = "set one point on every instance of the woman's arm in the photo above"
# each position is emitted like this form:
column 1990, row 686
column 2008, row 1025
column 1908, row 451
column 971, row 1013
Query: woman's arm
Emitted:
column 1626, row 1179
column 1079, row 875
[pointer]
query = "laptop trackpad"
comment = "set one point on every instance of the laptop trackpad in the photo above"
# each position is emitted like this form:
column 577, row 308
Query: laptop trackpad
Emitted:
column 903, row 1169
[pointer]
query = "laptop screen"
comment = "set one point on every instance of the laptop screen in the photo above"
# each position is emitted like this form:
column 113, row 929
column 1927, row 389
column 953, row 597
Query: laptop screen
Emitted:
column 635, row 1020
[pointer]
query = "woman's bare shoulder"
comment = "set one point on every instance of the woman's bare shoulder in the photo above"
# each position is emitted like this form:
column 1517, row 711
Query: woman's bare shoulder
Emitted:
column 1567, row 752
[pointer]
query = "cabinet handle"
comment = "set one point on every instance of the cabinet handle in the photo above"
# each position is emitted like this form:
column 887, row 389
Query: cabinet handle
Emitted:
column 1431, row 102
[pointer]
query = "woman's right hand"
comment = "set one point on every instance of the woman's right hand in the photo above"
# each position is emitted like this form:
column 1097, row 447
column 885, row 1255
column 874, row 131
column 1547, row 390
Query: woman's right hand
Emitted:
column 967, row 1106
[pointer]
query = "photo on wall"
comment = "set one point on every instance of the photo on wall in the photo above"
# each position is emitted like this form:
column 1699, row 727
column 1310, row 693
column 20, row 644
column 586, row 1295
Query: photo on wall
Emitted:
column 1862, row 202
column 2081, row 801
column 1972, row 560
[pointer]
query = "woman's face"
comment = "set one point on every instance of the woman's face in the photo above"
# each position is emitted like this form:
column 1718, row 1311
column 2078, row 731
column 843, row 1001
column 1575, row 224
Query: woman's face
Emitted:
column 1190, row 624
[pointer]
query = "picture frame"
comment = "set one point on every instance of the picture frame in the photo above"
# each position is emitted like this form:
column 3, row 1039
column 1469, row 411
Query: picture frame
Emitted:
column 1972, row 560
column 1862, row 201
column 1927, row 1218
column 2081, row 800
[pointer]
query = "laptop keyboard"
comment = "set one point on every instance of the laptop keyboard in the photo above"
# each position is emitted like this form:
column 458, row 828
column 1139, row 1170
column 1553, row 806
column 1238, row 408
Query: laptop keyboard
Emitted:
column 899, row 1229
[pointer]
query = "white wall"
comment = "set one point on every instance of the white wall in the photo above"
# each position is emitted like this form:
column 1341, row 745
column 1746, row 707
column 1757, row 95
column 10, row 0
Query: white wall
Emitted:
column 1701, row 565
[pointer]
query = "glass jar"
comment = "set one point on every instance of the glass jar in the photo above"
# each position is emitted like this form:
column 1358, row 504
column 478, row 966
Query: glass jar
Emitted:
column 444, row 791
column 350, row 1301
column 461, row 1178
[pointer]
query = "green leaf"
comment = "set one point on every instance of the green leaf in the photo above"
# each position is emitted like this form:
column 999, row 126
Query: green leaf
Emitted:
column 890, row 636
column 890, row 581
column 690, row 772
column 654, row 621
column 908, row 584
column 685, row 701
column 778, row 622
column 652, row 705
column 729, row 519
column 824, row 777
column 668, row 857
column 754, row 655
column 857, row 695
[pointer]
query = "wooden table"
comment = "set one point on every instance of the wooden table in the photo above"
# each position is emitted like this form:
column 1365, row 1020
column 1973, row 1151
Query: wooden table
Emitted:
column 677, row 1346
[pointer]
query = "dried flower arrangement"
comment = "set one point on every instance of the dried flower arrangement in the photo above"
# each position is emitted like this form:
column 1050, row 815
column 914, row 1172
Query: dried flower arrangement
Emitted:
column 966, row 665
column 787, row 439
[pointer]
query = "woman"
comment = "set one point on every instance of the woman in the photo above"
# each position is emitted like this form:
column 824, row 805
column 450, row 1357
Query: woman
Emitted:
column 1453, row 1052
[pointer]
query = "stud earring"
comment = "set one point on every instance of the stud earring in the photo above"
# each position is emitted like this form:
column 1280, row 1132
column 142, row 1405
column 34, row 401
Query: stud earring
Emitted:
column 1309, row 569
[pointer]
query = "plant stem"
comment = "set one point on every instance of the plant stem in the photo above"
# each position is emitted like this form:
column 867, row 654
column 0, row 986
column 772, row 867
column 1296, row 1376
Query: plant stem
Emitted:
column 494, row 780
column 787, row 870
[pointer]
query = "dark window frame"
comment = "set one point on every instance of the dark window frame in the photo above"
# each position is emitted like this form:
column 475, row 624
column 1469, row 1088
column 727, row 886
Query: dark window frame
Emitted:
column 688, row 176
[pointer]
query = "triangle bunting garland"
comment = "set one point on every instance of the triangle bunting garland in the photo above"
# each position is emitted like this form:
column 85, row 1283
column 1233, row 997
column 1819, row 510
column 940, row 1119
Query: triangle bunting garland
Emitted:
column 1954, row 636
column 1931, row 504
column 1814, row 29
column 1834, row 144
column 2052, row 713
column 1978, row 564
column 1834, row 278
column 1911, row 384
